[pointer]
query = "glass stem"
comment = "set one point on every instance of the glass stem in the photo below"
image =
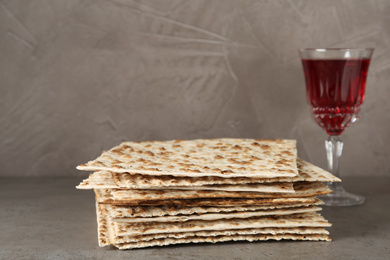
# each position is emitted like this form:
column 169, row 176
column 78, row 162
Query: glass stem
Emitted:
column 334, row 149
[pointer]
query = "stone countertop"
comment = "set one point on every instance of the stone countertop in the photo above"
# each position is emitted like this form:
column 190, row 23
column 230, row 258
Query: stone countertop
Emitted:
column 47, row 218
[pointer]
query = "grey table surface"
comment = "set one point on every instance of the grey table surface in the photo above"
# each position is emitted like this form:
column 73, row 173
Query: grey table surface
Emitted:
column 47, row 218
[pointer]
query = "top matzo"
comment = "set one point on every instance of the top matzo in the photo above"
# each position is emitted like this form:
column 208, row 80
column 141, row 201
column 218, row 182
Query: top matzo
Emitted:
column 202, row 157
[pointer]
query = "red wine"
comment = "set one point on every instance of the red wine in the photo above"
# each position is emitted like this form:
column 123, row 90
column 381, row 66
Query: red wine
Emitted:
column 335, row 90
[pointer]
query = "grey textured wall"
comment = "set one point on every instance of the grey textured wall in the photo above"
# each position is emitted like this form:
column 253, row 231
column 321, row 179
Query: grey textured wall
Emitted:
column 78, row 77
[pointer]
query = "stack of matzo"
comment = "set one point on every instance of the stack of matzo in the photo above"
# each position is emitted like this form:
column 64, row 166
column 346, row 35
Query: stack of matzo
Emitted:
column 210, row 190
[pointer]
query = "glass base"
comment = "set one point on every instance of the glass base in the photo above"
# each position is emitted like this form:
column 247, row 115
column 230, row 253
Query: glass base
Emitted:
column 339, row 197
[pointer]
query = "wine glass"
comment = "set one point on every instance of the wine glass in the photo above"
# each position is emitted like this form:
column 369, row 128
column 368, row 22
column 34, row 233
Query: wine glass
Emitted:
column 335, row 85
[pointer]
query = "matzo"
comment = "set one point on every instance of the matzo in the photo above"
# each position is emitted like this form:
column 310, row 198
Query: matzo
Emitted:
column 104, row 196
column 306, row 172
column 295, row 220
column 103, row 179
column 216, row 216
column 301, row 190
column 215, row 239
column 202, row 157
column 249, row 231
column 160, row 211
column 98, row 180
column 105, row 226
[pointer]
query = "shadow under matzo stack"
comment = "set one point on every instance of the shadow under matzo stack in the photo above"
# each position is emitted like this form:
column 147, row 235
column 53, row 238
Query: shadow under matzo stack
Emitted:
column 158, row 193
